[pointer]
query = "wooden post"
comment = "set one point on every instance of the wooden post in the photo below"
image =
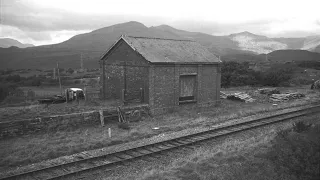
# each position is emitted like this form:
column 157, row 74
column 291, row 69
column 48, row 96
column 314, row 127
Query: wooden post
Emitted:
column 123, row 96
column 109, row 132
column 85, row 94
column 77, row 97
column 101, row 117
column 59, row 78
column 141, row 95
column 67, row 95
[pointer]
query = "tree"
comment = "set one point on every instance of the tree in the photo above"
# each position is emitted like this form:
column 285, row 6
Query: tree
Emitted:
column 13, row 78
column 70, row 71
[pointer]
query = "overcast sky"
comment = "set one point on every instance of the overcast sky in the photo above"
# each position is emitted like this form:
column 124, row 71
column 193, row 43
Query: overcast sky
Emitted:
column 53, row 21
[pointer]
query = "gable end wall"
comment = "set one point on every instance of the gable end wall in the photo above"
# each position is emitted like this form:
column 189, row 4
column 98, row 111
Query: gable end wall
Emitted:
column 165, row 87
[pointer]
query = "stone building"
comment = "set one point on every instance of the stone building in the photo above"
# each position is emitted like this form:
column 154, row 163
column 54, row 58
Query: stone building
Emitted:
column 166, row 74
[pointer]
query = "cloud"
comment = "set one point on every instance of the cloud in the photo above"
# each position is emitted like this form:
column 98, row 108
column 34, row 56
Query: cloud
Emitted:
column 30, row 17
column 37, row 38
column 53, row 21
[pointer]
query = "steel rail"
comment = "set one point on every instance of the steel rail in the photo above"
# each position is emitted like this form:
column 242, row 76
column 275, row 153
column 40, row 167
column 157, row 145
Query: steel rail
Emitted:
column 58, row 171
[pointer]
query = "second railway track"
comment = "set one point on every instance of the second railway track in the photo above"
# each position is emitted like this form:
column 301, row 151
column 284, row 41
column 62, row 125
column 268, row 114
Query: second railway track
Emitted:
column 64, row 170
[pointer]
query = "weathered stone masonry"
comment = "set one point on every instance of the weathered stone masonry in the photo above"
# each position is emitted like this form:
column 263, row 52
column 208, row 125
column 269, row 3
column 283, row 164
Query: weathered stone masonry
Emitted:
column 62, row 122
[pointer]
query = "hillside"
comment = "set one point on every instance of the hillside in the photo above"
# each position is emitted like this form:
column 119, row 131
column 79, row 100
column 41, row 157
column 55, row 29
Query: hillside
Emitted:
column 290, row 57
column 283, row 56
column 243, row 46
column 91, row 45
column 317, row 49
column 311, row 43
column 259, row 44
column 7, row 42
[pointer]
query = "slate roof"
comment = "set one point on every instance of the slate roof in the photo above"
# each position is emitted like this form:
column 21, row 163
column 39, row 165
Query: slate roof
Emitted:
column 159, row 50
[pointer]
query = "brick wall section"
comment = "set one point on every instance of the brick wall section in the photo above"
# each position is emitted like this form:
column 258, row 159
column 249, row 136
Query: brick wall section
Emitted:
column 135, row 71
column 161, row 82
column 165, row 87
column 61, row 122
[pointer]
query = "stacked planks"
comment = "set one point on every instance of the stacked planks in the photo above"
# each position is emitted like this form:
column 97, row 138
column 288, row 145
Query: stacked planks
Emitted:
column 240, row 96
column 286, row 96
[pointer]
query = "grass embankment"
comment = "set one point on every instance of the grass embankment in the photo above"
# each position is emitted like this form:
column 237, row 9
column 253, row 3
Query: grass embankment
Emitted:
column 39, row 110
column 292, row 154
column 34, row 148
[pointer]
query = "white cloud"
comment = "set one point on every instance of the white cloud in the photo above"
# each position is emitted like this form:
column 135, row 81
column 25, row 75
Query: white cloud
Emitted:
column 60, row 19
column 37, row 38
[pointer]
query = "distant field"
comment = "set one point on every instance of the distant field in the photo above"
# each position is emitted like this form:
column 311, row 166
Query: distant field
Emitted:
column 50, row 90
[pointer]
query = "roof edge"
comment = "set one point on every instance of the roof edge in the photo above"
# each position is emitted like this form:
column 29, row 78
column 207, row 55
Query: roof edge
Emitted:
column 116, row 42
column 158, row 38
column 186, row 63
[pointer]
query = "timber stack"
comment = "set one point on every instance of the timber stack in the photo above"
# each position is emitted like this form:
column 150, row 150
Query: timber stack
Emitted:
column 286, row 96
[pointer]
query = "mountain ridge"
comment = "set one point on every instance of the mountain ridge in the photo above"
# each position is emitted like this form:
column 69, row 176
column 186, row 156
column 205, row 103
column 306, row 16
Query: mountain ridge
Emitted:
column 8, row 42
column 243, row 46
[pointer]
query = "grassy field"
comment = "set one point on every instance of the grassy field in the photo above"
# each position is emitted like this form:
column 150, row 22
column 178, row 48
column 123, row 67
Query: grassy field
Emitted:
column 33, row 110
column 290, row 154
column 34, row 148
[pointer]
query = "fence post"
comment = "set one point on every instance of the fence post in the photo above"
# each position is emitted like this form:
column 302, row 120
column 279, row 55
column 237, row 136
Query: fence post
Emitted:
column 101, row 117
column 67, row 95
column 109, row 132
column 141, row 95
column 123, row 96
column 85, row 94
column 77, row 97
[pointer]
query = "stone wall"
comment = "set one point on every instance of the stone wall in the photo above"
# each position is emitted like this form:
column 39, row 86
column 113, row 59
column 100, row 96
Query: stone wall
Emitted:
column 62, row 122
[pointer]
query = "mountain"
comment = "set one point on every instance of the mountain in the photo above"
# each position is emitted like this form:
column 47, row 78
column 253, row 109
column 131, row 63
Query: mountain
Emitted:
column 262, row 44
column 101, row 39
column 216, row 44
column 311, row 43
column 7, row 42
column 88, row 47
column 256, row 43
column 317, row 49
column 292, row 43
column 285, row 56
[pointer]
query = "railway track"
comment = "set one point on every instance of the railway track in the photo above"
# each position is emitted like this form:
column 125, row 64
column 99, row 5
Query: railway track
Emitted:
column 64, row 170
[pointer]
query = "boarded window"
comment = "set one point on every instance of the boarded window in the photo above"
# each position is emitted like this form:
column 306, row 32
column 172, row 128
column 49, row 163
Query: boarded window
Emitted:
column 187, row 87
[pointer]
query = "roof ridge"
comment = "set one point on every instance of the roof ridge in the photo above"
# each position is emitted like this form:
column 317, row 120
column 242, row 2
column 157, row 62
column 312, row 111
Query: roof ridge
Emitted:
column 158, row 38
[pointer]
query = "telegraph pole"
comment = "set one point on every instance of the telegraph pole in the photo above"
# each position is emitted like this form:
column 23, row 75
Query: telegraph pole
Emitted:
column 81, row 62
column 59, row 78
column 266, row 56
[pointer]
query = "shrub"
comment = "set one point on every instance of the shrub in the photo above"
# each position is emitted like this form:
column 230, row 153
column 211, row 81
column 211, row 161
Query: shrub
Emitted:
column 238, row 74
column 276, row 76
column 301, row 126
column 6, row 89
column 13, row 78
column 124, row 126
column 298, row 153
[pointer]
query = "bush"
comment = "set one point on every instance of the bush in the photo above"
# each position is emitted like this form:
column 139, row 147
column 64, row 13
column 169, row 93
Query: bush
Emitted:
column 13, row 78
column 239, row 74
column 301, row 126
column 6, row 89
column 298, row 153
column 32, row 82
column 274, row 77
column 124, row 126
